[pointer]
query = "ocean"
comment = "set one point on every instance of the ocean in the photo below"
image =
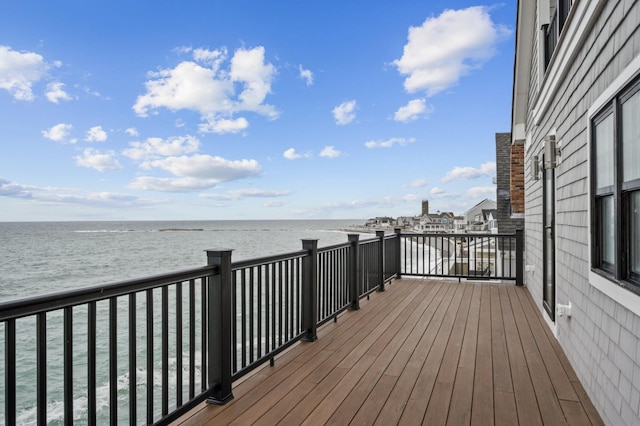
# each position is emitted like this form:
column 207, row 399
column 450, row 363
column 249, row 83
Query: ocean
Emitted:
column 44, row 257
column 41, row 257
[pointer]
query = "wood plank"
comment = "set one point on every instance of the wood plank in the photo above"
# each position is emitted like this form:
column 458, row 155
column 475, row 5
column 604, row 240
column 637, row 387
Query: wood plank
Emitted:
column 548, row 403
column 575, row 411
column 329, row 404
column 504, row 400
column 482, row 409
column 395, row 405
column 557, row 373
column 438, row 407
column 424, row 351
column 423, row 390
column 394, row 337
column 462, row 397
column 526, row 402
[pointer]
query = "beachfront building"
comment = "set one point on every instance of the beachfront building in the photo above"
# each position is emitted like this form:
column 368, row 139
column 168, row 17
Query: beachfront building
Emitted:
column 478, row 217
column 576, row 104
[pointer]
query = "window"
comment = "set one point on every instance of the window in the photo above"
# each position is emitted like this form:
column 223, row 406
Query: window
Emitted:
column 616, row 189
column 559, row 12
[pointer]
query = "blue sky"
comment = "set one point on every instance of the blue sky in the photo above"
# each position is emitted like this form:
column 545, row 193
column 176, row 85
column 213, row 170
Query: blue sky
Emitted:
column 149, row 110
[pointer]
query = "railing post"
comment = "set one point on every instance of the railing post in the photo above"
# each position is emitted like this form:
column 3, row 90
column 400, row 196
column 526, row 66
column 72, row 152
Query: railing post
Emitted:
column 220, row 322
column 310, row 290
column 519, row 257
column 354, row 274
column 398, row 231
column 380, row 235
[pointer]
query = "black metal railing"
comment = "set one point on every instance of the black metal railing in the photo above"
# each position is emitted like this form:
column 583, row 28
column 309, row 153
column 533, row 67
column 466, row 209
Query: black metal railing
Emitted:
column 148, row 350
column 469, row 256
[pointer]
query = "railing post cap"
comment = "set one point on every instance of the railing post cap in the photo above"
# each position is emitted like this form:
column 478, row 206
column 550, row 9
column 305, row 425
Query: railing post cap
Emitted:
column 353, row 237
column 218, row 254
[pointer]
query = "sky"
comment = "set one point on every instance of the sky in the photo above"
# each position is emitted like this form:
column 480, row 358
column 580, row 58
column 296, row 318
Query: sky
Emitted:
column 230, row 110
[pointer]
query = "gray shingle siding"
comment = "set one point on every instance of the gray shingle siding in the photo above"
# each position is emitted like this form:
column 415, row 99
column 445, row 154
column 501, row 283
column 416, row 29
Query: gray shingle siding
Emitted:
column 601, row 339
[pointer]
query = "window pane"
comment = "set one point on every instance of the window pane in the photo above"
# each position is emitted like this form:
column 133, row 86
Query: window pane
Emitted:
column 607, row 231
column 631, row 138
column 604, row 152
column 634, row 219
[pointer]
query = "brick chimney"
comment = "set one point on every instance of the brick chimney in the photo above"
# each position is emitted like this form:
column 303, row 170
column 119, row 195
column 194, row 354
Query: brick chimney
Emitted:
column 517, row 177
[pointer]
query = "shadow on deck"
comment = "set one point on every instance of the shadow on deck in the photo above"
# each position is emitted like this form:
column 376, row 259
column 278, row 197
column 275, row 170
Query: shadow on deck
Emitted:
column 423, row 351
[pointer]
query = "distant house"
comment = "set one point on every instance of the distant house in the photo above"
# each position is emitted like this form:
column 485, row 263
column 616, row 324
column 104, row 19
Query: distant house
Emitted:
column 475, row 217
column 576, row 115
column 380, row 222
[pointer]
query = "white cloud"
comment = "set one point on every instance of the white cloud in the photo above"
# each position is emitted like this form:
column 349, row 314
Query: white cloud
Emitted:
column 70, row 196
column 208, row 167
column 291, row 154
column 58, row 133
column 389, row 142
column 96, row 134
column 246, row 193
column 154, row 148
column 131, row 131
column 306, row 75
column 414, row 109
column 195, row 172
column 56, row 93
column 19, row 71
column 345, row 112
column 446, row 47
column 419, row 183
column 481, row 192
column 203, row 86
column 212, row 58
column 330, row 152
column 97, row 160
column 223, row 125
column 486, row 169
column 184, row 184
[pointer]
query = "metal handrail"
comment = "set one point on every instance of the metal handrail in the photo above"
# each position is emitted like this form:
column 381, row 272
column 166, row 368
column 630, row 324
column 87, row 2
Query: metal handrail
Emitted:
column 234, row 317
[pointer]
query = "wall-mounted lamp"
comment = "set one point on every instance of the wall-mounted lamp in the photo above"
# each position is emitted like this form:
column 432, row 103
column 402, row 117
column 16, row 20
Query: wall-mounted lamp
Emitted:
column 535, row 168
column 551, row 152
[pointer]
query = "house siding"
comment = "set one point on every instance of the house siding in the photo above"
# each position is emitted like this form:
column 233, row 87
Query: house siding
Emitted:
column 601, row 339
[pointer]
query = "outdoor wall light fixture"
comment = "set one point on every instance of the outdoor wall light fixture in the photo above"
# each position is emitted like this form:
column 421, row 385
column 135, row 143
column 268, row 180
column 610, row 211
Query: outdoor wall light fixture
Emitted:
column 551, row 152
column 535, row 167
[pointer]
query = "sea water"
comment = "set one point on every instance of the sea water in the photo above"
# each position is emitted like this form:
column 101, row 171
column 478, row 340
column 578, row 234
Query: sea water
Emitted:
column 45, row 257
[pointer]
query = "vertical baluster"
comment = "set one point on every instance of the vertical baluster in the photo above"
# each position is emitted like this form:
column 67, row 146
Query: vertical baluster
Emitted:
column 286, row 300
column 280, row 307
column 113, row 360
column 92, row 326
column 68, row 365
column 234, row 321
column 179, row 362
column 10, row 371
column 243, row 315
column 132, row 359
column 259, row 311
column 251, row 315
column 192, row 339
column 41, row 332
column 273, row 305
column 203, row 336
column 150, row 381
column 165, row 350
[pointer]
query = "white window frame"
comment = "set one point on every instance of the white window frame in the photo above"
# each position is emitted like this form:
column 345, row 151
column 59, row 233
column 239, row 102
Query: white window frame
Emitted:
column 624, row 297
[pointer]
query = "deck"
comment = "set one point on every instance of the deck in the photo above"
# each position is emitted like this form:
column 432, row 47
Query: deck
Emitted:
column 422, row 352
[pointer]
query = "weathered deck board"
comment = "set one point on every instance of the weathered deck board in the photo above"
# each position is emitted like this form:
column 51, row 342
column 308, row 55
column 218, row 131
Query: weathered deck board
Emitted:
column 423, row 352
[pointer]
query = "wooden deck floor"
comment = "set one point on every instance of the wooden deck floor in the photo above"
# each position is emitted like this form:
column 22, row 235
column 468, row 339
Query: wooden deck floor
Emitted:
column 423, row 352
